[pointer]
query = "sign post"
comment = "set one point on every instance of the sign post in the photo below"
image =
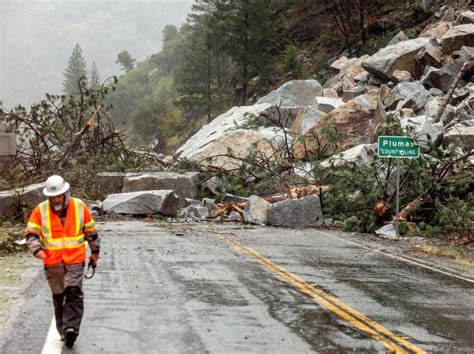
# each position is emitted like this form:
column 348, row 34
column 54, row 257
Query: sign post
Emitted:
column 7, row 144
column 397, row 147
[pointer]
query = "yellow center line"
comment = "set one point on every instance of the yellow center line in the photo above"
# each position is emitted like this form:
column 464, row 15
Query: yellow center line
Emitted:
column 389, row 339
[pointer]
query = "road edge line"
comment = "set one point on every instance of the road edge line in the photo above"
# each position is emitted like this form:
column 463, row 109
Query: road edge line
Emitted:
column 52, row 344
column 400, row 258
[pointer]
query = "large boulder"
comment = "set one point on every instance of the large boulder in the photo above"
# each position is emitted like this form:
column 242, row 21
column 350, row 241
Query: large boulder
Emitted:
column 234, row 131
column 436, row 30
column 426, row 133
column 462, row 135
column 13, row 201
column 306, row 118
column 465, row 17
column 360, row 154
column 400, row 56
column 354, row 122
column 32, row 195
column 108, row 183
column 411, row 95
column 164, row 202
column 442, row 78
column 294, row 93
column 296, row 213
column 255, row 211
column 458, row 36
column 224, row 123
column 228, row 150
column 186, row 185
column 429, row 55
column 350, row 71
column 9, row 204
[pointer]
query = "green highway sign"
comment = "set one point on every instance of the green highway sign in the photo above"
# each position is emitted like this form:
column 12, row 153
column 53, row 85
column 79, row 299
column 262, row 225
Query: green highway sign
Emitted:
column 401, row 147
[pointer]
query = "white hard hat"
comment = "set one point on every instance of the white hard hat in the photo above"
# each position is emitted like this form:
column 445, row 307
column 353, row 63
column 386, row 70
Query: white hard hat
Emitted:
column 55, row 185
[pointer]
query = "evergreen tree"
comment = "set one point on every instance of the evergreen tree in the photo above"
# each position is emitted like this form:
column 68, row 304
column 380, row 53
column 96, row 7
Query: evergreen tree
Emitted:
column 246, row 30
column 166, row 59
column 75, row 71
column 170, row 33
column 125, row 60
column 203, row 70
column 94, row 76
column 251, row 28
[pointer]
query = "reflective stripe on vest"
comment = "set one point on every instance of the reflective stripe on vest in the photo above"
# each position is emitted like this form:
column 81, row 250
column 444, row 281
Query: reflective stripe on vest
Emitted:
column 46, row 220
column 66, row 242
column 33, row 228
column 79, row 212
column 90, row 227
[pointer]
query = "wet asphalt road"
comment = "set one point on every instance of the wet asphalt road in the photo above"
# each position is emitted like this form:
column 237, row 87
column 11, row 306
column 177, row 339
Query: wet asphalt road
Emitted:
column 227, row 289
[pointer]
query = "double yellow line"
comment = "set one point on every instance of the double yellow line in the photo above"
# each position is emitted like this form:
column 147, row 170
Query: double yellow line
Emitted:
column 393, row 342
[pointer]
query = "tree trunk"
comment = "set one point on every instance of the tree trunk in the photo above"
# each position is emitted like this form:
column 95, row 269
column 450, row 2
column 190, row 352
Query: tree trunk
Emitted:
column 209, row 103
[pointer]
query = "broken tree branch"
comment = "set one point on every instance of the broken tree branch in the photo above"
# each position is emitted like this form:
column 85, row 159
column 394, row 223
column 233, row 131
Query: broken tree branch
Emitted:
column 448, row 96
column 70, row 150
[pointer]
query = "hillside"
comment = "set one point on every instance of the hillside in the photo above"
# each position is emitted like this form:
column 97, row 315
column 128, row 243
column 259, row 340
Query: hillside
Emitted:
column 171, row 94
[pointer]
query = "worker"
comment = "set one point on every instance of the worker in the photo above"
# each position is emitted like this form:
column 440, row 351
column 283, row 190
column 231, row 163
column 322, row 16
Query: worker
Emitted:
column 56, row 233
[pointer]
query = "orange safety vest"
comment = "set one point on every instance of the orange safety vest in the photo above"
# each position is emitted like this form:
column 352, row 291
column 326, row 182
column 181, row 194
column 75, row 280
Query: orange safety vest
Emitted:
column 62, row 243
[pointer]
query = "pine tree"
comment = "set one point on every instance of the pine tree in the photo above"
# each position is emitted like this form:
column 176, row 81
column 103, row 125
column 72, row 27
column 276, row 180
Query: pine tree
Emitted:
column 75, row 71
column 94, row 76
column 251, row 29
column 245, row 30
column 125, row 60
column 203, row 70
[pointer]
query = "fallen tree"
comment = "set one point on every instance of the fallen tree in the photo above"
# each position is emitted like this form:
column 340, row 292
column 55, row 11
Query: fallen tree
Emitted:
column 69, row 135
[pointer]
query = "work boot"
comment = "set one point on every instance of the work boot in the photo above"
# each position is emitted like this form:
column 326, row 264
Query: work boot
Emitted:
column 70, row 335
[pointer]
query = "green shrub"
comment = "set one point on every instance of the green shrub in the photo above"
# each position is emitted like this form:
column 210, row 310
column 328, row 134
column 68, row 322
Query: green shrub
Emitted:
column 325, row 40
column 290, row 62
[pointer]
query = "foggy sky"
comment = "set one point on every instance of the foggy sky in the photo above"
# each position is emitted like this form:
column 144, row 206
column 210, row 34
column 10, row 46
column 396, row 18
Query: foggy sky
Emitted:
column 37, row 38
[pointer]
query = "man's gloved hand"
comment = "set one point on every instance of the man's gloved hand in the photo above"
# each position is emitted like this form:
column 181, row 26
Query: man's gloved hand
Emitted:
column 40, row 255
column 94, row 257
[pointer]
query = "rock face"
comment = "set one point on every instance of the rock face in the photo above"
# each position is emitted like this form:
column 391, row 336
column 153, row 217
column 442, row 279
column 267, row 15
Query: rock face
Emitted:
column 296, row 213
column 164, row 202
